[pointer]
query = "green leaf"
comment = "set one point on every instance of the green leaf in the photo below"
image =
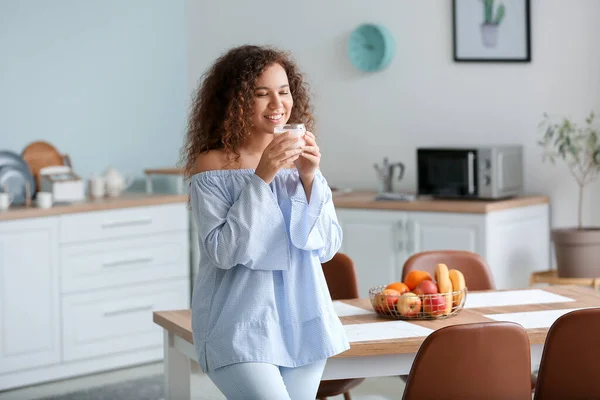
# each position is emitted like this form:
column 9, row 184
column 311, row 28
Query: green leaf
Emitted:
column 558, row 141
column 596, row 157
column 592, row 140
column 590, row 118
column 487, row 10
column 562, row 149
column 499, row 14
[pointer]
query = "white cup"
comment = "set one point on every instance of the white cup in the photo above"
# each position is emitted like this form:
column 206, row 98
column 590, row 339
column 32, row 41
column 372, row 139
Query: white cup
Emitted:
column 5, row 201
column 295, row 130
column 43, row 199
column 96, row 187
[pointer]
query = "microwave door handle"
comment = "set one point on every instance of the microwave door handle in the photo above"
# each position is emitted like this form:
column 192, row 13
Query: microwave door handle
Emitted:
column 471, row 172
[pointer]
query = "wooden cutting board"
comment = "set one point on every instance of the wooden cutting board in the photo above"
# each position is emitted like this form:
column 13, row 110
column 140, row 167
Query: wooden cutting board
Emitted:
column 39, row 155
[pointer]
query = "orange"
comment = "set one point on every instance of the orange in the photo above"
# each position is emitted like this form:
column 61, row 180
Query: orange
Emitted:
column 415, row 277
column 399, row 286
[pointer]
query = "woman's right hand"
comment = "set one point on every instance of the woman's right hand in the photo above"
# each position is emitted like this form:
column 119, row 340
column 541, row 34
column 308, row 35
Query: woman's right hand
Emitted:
column 276, row 155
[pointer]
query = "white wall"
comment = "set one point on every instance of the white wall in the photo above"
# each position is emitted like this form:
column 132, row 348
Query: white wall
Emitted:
column 423, row 98
column 103, row 80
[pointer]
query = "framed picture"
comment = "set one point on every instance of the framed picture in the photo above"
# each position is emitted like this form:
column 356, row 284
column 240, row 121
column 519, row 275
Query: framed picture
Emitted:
column 491, row 30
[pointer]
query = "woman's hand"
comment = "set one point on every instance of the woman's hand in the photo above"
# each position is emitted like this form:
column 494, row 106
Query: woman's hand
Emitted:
column 308, row 163
column 276, row 155
column 310, row 158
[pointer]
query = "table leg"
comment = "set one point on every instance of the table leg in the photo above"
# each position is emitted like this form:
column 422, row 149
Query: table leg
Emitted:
column 180, row 189
column 536, row 355
column 176, row 370
column 148, row 184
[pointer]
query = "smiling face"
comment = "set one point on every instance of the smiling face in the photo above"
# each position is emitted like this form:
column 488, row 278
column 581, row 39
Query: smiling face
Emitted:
column 272, row 100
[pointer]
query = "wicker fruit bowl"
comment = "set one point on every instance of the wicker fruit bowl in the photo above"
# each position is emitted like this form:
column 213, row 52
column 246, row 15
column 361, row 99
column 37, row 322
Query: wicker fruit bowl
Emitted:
column 411, row 306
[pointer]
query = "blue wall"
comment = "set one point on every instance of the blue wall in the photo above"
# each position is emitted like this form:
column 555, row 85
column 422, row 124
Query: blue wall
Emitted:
column 102, row 80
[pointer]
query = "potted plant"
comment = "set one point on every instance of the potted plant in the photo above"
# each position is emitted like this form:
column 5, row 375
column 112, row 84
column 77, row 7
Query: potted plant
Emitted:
column 577, row 249
column 491, row 22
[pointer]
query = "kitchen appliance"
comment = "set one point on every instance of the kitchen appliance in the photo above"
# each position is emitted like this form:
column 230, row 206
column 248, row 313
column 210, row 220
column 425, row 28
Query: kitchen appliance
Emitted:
column 385, row 174
column 487, row 172
column 62, row 183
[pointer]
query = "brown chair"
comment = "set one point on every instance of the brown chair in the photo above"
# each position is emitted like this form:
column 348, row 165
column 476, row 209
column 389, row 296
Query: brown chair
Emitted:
column 485, row 360
column 474, row 268
column 569, row 364
column 476, row 271
column 341, row 280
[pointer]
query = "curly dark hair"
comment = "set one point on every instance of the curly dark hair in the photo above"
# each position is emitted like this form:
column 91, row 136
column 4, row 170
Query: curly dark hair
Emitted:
column 221, row 111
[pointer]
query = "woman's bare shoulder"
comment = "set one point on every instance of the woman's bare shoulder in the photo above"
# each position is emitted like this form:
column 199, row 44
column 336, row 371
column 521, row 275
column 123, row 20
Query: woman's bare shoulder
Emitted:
column 210, row 161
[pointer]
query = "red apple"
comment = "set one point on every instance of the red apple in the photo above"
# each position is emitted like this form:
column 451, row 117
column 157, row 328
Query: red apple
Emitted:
column 385, row 301
column 434, row 304
column 409, row 305
column 426, row 287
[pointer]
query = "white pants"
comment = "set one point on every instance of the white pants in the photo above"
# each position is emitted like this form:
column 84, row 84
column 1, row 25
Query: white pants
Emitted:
column 258, row 381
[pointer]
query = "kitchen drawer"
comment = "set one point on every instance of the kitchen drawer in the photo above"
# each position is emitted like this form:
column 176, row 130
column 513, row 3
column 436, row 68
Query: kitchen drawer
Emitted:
column 124, row 222
column 105, row 264
column 118, row 320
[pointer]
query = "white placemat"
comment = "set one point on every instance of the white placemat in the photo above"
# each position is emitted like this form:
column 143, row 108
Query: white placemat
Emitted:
column 384, row 330
column 533, row 319
column 345, row 310
column 513, row 298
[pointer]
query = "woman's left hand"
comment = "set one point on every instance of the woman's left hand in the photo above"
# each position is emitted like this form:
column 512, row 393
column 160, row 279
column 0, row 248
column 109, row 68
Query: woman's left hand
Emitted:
column 309, row 160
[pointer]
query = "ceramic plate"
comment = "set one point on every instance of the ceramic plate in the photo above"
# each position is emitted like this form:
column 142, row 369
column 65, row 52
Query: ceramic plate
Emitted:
column 9, row 158
column 13, row 178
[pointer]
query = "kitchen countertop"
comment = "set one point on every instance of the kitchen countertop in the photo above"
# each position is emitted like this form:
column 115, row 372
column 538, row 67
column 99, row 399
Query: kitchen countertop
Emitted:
column 352, row 200
column 364, row 200
column 125, row 200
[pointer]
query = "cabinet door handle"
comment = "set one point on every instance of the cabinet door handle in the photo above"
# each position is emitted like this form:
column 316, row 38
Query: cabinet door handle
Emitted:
column 400, row 234
column 411, row 240
column 128, row 262
column 120, row 224
column 471, row 172
column 127, row 310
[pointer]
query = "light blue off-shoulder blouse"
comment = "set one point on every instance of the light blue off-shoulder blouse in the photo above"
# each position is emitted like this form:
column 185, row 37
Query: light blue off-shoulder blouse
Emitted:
column 260, row 294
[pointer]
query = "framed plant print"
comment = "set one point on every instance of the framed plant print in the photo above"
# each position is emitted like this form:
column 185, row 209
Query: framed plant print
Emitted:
column 491, row 30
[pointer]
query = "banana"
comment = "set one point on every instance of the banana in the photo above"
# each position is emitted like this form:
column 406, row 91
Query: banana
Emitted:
column 458, row 283
column 444, row 283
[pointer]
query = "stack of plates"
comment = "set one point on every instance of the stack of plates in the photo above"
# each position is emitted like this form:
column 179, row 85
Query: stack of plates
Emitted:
column 15, row 176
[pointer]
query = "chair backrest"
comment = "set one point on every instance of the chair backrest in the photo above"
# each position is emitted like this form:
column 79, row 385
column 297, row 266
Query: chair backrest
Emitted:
column 341, row 277
column 485, row 360
column 571, row 356
column 477, row 273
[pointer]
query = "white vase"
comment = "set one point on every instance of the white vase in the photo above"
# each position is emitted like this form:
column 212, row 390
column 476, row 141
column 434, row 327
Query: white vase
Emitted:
column 489, row 34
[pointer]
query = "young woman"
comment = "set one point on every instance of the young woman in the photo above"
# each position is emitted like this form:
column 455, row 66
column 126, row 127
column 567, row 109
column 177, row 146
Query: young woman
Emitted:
column 262, row 316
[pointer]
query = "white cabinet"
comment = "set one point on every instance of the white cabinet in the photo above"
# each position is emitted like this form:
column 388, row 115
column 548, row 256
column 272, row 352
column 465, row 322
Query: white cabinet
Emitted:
column 115, row 263
column 375, row 241
column 29, row 297
column 125, row 222
column 434, row 230
column 77, row 291
column 118, row 320
column 515, row 242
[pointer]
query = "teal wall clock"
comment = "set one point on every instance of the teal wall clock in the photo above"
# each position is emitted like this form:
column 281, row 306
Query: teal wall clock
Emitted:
column 370, row 47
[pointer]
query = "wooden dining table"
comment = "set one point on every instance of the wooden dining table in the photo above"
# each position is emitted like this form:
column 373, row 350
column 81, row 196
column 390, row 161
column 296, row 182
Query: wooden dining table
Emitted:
column 380, row 346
